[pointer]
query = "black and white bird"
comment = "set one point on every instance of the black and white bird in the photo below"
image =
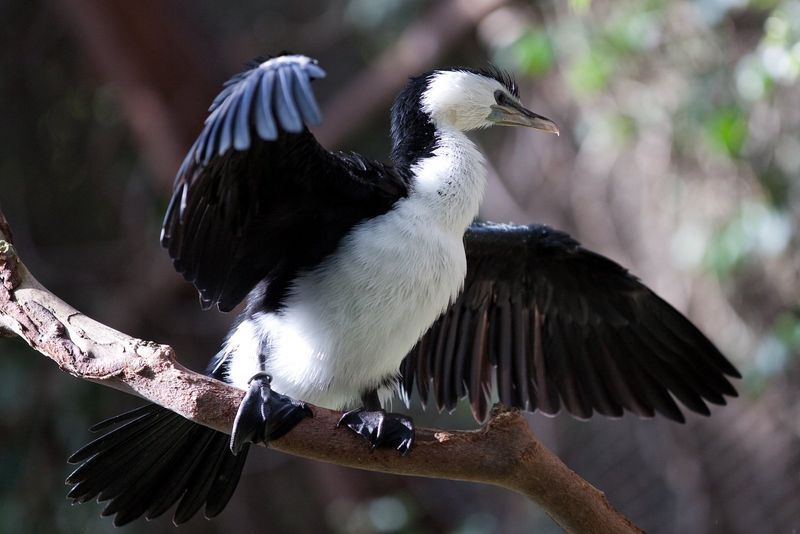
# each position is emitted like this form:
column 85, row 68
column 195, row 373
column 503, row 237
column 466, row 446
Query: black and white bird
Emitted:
column 363, row 279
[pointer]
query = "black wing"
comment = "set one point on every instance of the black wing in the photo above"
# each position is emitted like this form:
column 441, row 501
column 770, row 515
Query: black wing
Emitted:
column 257, row 198
column 550, row 323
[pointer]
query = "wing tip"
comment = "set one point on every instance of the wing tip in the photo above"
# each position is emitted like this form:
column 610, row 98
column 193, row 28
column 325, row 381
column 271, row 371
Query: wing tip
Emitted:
column 233, row 115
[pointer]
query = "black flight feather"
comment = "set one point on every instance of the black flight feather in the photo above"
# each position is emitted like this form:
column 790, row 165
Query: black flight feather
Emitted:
column 565, row 325
column 257, row 198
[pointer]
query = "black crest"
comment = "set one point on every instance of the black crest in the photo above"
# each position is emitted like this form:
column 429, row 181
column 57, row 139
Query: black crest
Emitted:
column 501, row 75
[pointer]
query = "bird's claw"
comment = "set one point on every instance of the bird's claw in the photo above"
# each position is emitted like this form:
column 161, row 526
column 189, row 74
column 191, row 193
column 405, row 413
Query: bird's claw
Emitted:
column 265, row 415
column 381, row 429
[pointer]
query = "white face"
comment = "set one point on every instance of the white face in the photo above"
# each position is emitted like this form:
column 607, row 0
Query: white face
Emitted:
column 461, row 100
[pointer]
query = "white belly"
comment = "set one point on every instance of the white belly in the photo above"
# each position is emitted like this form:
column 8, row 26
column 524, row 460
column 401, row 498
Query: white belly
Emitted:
column 348, row 324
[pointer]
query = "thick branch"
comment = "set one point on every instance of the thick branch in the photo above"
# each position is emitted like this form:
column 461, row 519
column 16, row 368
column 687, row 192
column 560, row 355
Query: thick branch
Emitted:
column 504, row 452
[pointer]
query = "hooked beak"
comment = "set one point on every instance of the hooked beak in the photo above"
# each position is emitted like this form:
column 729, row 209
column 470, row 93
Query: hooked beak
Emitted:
column 513, row 114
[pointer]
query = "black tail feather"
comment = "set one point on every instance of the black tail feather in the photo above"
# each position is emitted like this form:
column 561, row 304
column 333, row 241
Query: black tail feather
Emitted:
column 111, row 440
column 129, row 458
column 227, row 479
column 174, row 488
column 135, row 492
column 126, row 416
column 203, row 477
column 152, row 461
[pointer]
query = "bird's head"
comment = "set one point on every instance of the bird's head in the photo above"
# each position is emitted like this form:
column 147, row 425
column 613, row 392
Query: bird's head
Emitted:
column 468, row 99
column 461, row 99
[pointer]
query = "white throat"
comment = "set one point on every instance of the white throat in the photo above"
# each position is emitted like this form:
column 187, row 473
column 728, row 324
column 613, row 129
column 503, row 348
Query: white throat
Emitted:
column 450, row 184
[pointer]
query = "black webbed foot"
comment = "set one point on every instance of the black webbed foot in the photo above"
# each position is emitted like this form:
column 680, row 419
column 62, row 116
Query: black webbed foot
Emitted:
column 381, row 429
column 265, row 415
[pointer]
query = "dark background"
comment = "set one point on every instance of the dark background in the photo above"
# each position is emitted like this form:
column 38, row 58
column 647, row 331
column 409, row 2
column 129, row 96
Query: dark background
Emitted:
column 679, row 157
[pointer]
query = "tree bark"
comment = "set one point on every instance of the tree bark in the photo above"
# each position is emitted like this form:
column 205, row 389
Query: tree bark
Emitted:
column 504, row 452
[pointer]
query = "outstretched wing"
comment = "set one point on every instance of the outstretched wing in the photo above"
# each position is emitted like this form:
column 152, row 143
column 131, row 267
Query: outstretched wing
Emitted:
column 550, row 322
column 257, row 198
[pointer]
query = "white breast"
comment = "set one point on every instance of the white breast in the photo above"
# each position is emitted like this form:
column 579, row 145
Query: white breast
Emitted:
column 347, row 324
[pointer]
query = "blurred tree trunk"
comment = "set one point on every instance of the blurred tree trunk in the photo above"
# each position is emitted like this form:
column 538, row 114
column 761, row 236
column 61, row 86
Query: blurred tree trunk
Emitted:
column 160, row 66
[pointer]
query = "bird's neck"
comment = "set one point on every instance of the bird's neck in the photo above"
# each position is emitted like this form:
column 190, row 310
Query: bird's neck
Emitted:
column 450, row 180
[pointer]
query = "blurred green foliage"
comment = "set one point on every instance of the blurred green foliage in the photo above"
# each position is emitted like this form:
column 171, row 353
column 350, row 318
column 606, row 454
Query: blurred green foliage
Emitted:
column 755, row 233
column 533, row 53
column 727, row 130
column 590, row 72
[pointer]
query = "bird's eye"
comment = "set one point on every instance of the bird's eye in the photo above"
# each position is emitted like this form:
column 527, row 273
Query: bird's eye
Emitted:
column 500, row 97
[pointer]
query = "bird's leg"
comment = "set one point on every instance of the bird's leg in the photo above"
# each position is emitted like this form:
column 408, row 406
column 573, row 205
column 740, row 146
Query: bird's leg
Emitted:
column 265, row 415
column 381, row 429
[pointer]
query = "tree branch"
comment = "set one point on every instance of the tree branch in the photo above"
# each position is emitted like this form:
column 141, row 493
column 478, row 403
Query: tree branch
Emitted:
column 503, row 453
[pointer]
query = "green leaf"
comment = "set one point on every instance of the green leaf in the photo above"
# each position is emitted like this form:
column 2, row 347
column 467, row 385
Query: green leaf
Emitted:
column 758, row 230
column 590, row 73
column 787, row 330
column 533, row 53
column 727, row 131
column 580, row 6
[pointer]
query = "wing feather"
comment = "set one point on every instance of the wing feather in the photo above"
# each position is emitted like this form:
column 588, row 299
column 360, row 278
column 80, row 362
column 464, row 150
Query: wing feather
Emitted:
column 521, row 347
column 461, row 358
column 476, row 373
column 257, row 198
column 304, row 96
column 560, row 358
column 447, row 398
column 265, row 122
column 594, row 370
column 440, row 356
column 423, row 369
column 547, row 398
column 285, row 106
column 503, row 340
column 558, row 324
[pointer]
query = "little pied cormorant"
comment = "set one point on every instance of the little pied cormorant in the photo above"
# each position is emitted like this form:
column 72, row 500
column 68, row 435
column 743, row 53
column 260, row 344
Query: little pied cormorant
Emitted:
column 363, row 279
